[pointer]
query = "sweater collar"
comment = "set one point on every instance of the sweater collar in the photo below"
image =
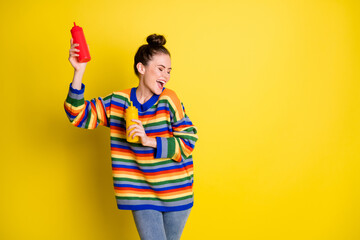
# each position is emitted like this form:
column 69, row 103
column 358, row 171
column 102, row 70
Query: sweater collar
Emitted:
column 148, row 104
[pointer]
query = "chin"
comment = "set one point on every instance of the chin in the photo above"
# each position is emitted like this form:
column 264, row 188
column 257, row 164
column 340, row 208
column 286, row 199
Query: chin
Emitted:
column 157, row 91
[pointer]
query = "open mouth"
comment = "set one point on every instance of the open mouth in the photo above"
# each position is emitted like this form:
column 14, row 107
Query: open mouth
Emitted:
column 160, row 83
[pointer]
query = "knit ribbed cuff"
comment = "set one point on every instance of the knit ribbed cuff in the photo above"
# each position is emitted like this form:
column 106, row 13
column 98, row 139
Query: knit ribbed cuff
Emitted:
column 165, row 147
column 76, row 91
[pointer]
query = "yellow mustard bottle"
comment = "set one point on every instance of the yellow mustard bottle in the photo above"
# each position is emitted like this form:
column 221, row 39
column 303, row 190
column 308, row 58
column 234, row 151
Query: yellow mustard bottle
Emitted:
column 131, row 113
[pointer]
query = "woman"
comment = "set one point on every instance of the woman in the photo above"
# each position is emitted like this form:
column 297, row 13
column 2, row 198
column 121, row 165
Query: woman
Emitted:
column 153, row 178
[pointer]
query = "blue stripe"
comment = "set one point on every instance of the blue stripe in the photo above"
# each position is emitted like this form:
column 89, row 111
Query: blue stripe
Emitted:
column 117, row 104
column 158, row 208
column 187, row 143
column 148, row 104
column 149, row 113
column 69, row 114
column 157, row 170
column 117, row 125
column 182, row 123
column 128, row 148
column 75, row 91
column 157, row 130
column 151, row 188
column 158, row 147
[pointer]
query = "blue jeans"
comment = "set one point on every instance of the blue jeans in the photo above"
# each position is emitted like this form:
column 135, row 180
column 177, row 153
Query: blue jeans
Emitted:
column 156, row 225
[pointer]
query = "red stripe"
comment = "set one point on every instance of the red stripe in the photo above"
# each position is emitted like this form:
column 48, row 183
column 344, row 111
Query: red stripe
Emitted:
column 152, row 190
column 148, row 174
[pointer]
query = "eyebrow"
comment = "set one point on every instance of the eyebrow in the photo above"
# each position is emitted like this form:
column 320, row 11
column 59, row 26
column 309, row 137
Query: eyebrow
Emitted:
column 163, row 66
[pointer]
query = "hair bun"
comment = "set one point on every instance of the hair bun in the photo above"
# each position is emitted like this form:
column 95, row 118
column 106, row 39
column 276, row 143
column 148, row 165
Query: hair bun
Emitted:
column 156, row 40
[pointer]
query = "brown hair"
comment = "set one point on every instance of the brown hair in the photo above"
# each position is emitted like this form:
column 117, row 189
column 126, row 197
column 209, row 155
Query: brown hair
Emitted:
column 145, row 53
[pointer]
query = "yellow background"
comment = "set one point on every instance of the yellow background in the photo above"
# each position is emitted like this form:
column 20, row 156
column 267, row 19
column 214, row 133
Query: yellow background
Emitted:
column 273, row 87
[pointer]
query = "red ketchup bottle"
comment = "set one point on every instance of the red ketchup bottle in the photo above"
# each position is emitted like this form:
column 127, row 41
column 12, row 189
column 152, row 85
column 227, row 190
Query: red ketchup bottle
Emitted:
column 79, row 37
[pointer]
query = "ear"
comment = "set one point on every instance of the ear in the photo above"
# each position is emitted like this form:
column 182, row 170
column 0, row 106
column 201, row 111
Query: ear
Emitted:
column 140, row 67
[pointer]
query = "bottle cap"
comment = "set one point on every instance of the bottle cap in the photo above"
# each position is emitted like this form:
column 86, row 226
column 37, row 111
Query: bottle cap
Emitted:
column 75, row 28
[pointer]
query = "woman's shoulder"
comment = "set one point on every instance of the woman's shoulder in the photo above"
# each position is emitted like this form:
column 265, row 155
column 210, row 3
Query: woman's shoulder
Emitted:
column 173, row 100
column 169, row 93
column 124, row 93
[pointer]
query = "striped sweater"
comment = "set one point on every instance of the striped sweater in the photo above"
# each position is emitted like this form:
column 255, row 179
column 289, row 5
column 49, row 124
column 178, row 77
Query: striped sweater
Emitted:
column 144, row 177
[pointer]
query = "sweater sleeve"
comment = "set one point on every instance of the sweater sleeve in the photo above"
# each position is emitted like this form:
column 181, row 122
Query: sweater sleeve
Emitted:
column 87, row 114
column 182, row 144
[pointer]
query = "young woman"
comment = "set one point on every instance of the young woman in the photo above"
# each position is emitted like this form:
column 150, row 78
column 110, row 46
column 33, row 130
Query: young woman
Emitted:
column 154, row 177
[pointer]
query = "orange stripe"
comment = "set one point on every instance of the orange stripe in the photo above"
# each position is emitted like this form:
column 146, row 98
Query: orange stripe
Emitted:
column 118, row 110
column 152, row 192
column 81, row 116
column 177, row 190
column 134, row 173
column 175, row 100
column 164, row 172
column 125, row 152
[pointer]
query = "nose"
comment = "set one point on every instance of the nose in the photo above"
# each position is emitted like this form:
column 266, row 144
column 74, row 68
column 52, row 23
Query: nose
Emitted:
column 166, row 75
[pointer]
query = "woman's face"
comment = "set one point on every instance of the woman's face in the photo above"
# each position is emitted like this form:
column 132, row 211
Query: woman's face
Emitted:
column 157, row 73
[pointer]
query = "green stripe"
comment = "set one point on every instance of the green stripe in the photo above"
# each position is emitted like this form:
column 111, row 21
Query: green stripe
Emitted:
column 108, row 97
column 88, row 120
column 188, row 178
column 141, row 164
column 75, row 102
column 181, row 149
column 173, row 112
column 170, row 146
column 155, row 199
column 186, row 137
column 116, row 118
column 121, row 98
column 118, row 139
column 158, row 123
column 124, row 141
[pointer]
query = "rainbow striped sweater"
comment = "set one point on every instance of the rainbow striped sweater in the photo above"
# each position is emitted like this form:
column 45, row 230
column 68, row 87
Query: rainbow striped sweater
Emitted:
column 144, row 177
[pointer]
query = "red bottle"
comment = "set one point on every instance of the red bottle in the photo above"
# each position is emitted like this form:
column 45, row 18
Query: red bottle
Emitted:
column 79, row 37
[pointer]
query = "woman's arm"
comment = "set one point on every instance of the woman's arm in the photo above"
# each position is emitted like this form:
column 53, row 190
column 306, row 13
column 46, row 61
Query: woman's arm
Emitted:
column 183, row 143
column 77, row 79
column 87, row 114
column 81, row 113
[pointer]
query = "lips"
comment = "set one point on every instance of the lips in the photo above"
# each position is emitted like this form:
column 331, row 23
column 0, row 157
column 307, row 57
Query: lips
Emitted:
column 160, row 83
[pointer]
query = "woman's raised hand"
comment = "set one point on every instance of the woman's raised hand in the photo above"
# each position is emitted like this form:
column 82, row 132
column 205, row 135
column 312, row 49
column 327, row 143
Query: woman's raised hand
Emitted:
column 73, row 54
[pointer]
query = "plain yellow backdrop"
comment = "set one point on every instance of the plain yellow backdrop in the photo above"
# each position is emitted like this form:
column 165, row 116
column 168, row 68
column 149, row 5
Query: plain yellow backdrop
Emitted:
column 273, row 87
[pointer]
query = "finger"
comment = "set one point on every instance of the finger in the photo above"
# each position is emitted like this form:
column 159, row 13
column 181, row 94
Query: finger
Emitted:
column 136, row 131
column 136, row 134
column 137, row 121
column 71, row 41
column 131, row 133
column 74, row 49
column 131, row 127
column 136, row 124
column 74, row 45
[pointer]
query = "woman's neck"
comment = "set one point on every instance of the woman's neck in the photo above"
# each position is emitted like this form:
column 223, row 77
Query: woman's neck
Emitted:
column 143, row 93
